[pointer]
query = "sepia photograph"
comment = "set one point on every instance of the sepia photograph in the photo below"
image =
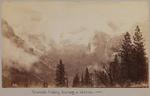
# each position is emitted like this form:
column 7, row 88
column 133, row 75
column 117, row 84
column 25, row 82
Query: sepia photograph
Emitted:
column 76, row 44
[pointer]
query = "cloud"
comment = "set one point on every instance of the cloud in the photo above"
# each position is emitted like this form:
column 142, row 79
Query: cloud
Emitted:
column 13, row 49
column 113, row 26
column 82, row 29
column 16, row 56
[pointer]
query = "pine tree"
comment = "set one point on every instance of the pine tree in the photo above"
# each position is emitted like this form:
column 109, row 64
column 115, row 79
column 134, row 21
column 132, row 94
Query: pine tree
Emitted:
column 76, row 81
column 87, row 80
column 125, row 55
column 82, row 81
column 114, row 69
column 140, row 56
column 60, row 75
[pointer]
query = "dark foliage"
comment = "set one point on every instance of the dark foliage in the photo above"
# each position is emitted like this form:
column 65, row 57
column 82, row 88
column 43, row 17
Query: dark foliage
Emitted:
column 139, row 58
column 126, row 58
column 60, row 75
column 76, row 81
column 132, row 66
column 87, row 79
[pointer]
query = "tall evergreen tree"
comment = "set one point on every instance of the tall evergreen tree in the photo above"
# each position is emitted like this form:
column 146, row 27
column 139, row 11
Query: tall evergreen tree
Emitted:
column 82, row 81
column 76, row 81
column 115, row 69
column 140, row 56
column 87, row 80
column 60, row 75
column 125, row 54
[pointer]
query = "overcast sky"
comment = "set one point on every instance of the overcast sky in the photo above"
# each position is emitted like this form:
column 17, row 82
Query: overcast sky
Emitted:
column 75, row 21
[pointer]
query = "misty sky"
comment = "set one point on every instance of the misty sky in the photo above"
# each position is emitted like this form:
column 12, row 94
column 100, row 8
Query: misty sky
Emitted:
column 75, row 21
